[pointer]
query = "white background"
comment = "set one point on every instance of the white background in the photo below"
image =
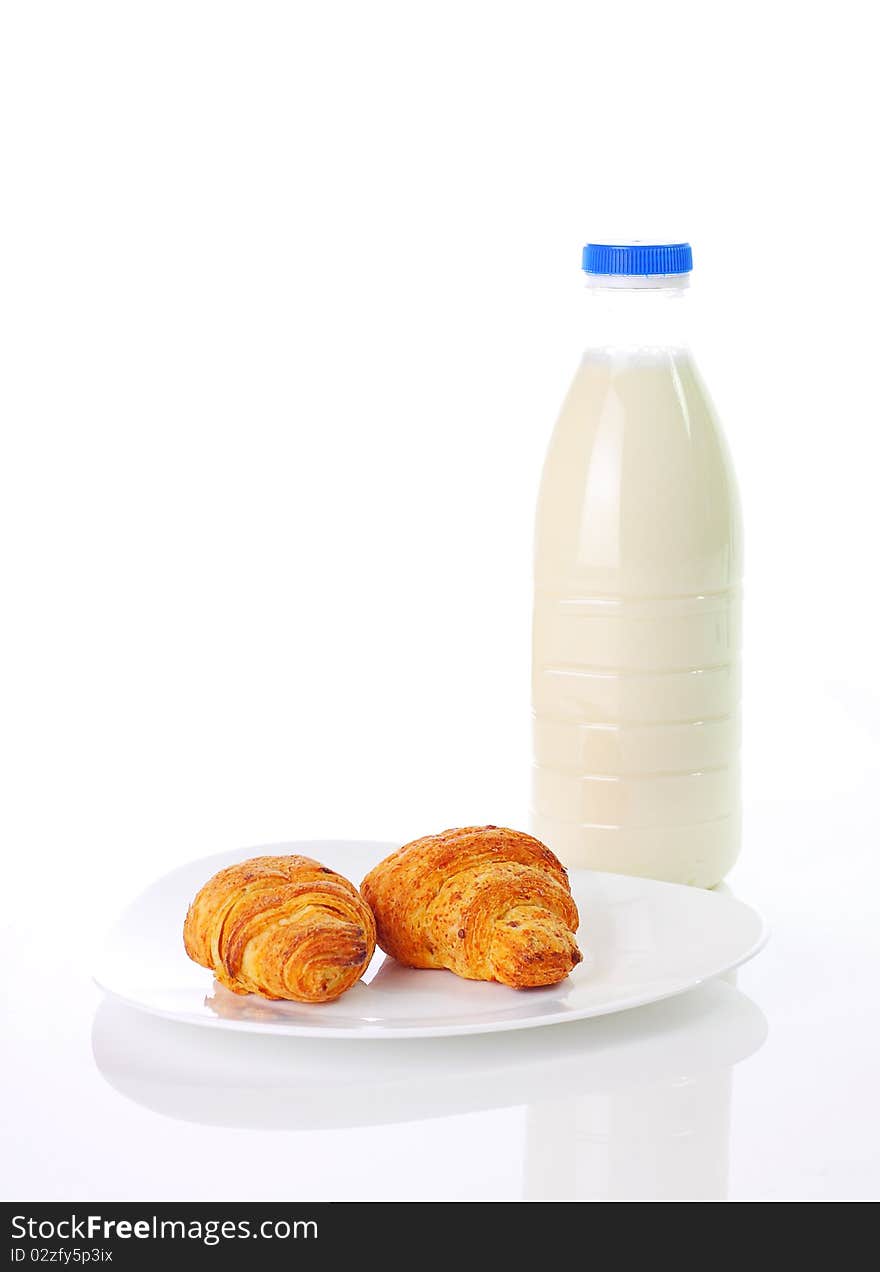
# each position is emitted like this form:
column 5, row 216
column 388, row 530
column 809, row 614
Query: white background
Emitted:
column 290, row 295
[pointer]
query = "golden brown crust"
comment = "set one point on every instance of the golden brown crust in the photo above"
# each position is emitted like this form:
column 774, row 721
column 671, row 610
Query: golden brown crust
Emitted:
column 485, row 902
column 281, row 927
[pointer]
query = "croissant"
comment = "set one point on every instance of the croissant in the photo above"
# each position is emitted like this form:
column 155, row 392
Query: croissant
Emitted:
column 281, row 927
column 484, row 902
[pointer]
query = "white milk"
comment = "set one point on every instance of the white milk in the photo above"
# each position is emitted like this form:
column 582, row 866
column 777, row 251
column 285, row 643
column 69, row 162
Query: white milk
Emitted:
column 636, row 669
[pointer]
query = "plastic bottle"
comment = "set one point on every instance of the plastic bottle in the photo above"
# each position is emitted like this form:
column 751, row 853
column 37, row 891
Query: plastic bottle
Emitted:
column 638, row 564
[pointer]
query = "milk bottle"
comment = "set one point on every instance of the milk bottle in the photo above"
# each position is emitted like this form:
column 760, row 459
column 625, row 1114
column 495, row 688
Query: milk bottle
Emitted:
column 636, row 672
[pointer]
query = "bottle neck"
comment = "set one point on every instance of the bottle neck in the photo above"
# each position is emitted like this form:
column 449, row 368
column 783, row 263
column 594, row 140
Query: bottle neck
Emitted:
column 634, row 315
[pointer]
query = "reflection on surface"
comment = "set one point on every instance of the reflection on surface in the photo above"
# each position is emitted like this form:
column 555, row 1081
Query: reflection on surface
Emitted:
column 660, row 1140
column 626, row 1106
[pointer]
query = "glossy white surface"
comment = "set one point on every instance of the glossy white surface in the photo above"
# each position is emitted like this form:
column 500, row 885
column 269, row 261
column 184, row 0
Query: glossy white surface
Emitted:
column 642, row 941
column 764, row 1090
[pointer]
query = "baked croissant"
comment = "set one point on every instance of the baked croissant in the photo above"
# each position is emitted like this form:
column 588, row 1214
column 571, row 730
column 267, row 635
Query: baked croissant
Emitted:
column 484, row 902
column 281, row 927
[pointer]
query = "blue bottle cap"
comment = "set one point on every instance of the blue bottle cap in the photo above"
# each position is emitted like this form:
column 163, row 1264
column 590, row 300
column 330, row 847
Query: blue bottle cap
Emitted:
column 638, row 258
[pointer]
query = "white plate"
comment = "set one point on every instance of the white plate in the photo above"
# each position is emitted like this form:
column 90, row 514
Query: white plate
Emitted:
column 642, row 941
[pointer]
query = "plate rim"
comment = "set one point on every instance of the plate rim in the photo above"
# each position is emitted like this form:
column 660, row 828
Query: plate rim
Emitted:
column 367, row 1031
